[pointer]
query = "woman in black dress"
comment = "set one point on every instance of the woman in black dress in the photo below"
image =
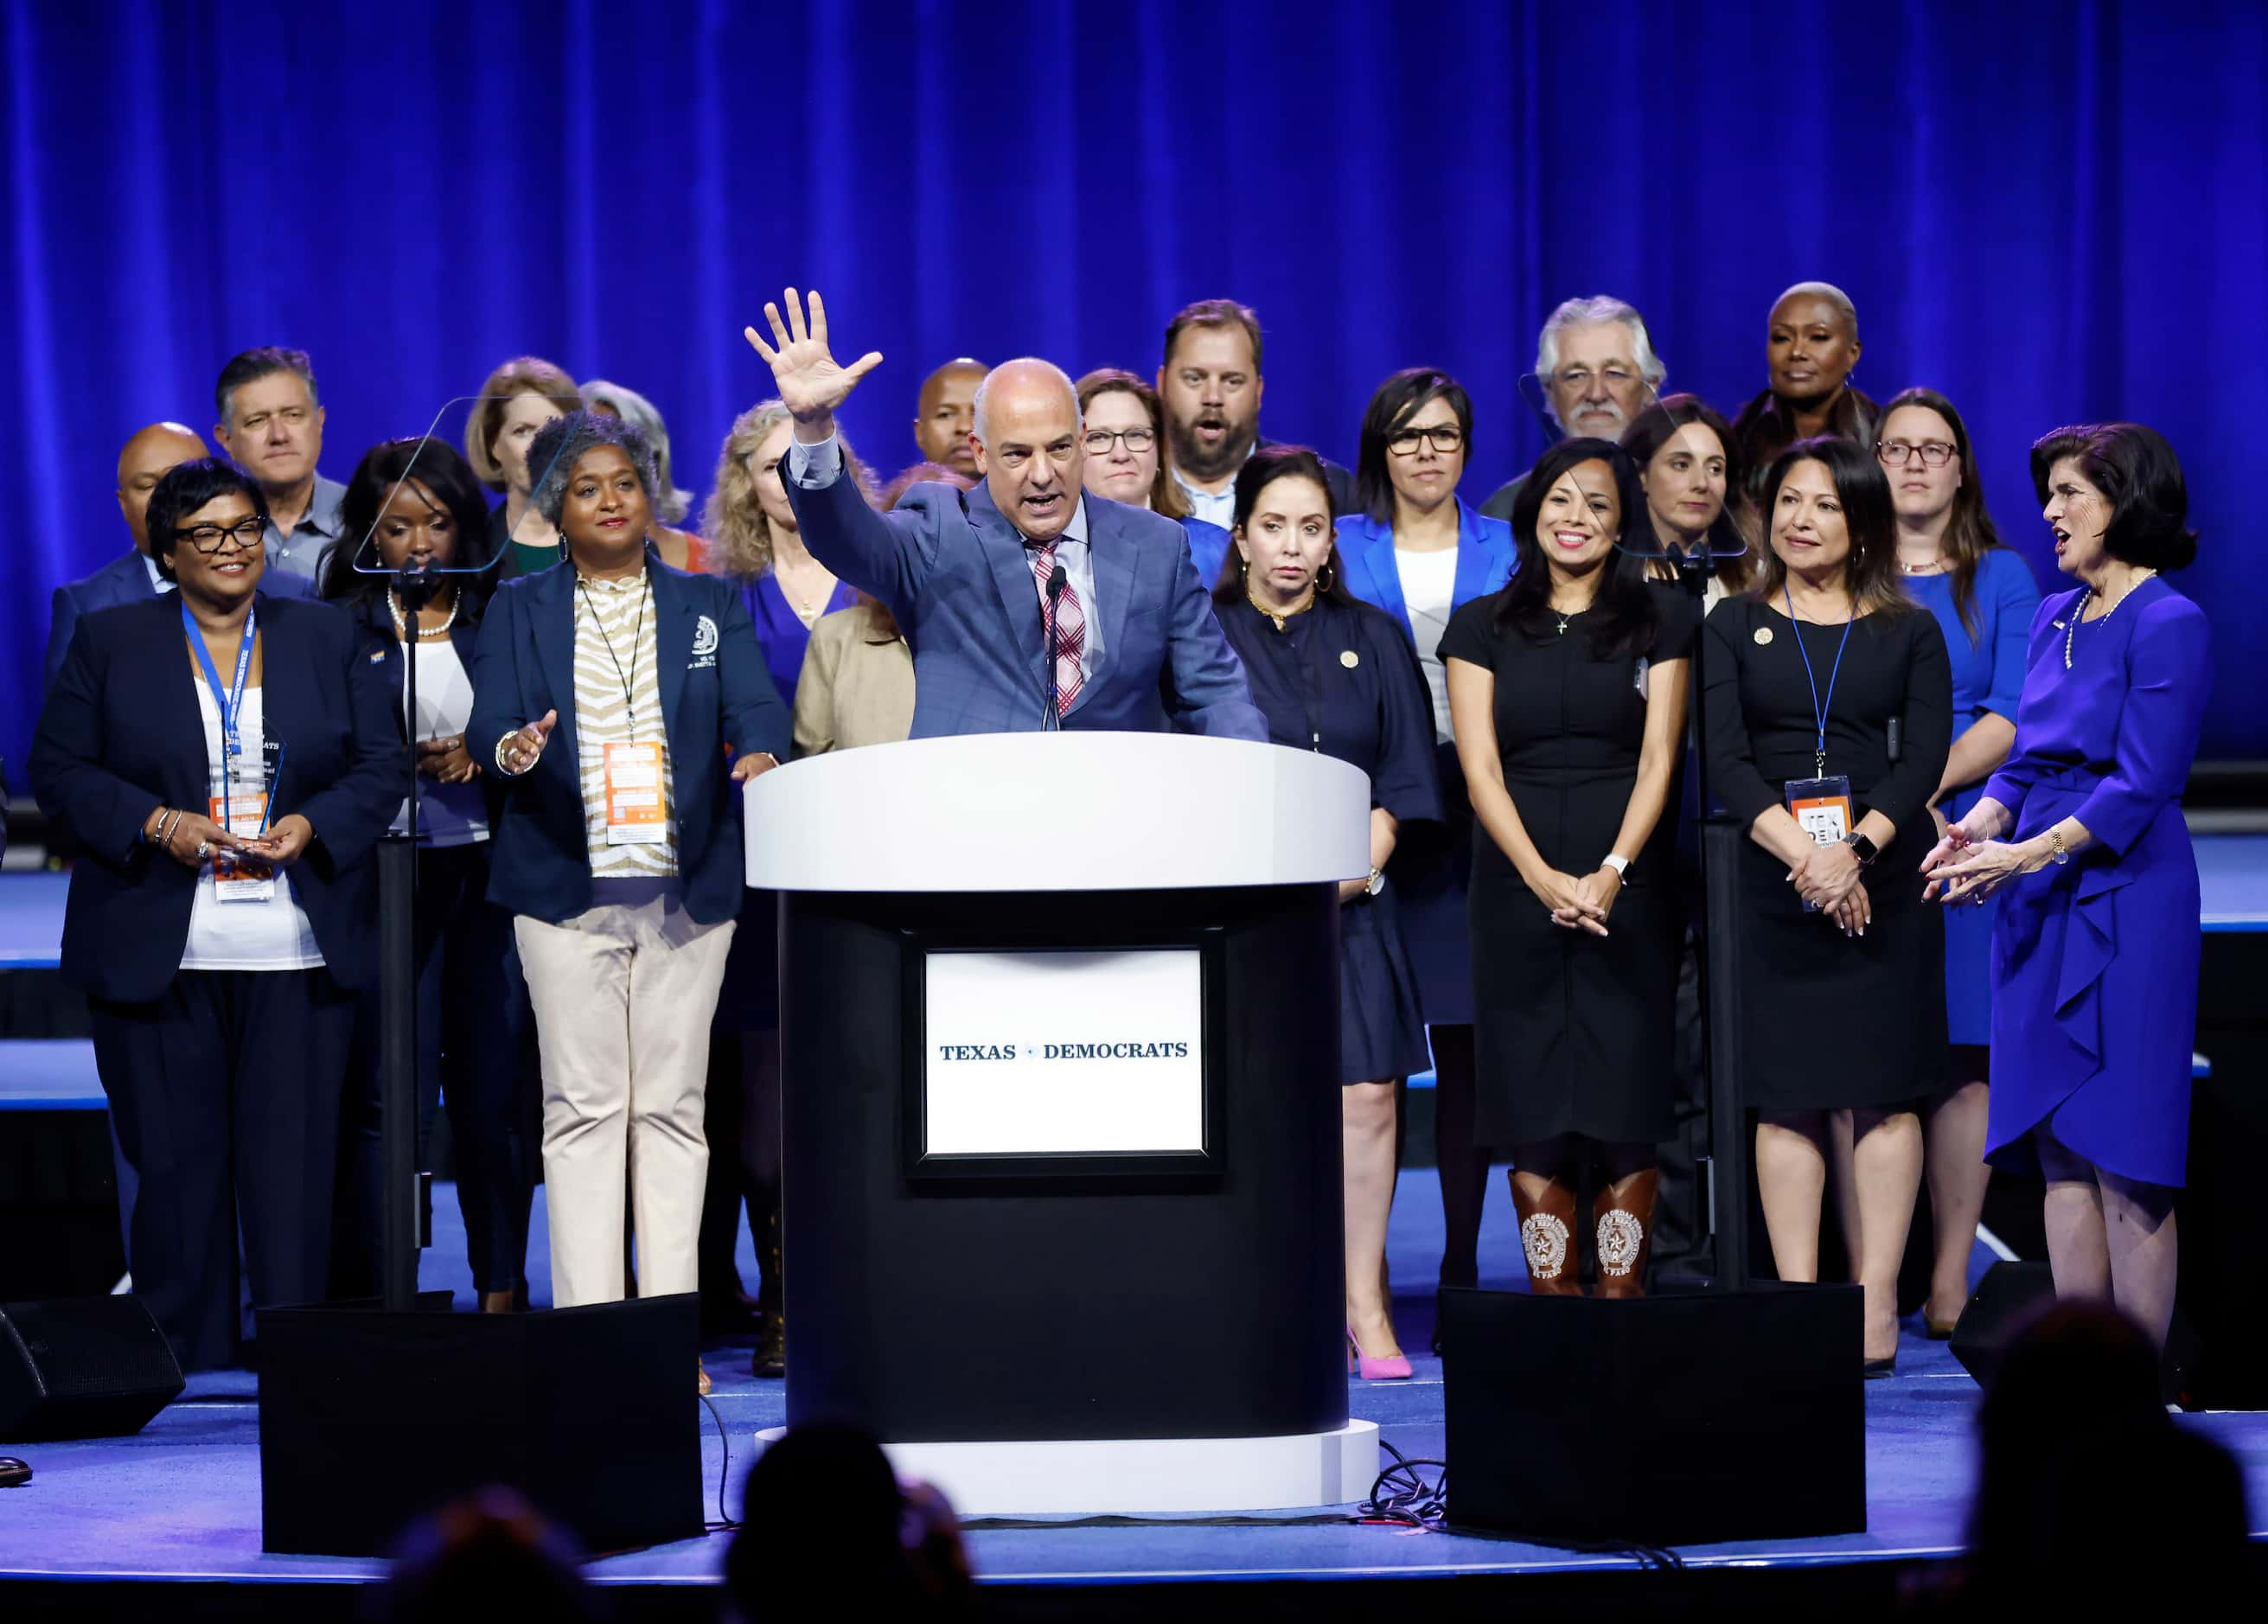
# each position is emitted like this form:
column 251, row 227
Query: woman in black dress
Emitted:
column 1826, row 678
column 1567, row 689
column 1334, row 674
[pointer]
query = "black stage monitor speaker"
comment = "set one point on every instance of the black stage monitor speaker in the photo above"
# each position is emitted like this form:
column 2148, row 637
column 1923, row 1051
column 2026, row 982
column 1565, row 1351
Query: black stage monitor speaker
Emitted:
column 370, row 1419
column 2011, row 1293
column 1678, row 1419
column 81, row 1367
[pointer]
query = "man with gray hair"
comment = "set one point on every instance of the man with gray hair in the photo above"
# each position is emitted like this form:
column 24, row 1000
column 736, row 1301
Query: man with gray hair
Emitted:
column 1597, row 369
column 271, row 424
column 1028, row 604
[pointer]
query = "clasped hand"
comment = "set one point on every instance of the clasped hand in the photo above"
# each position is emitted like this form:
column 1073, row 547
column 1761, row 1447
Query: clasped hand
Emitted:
column 1827, row 877
column 447, row 760
column 1577, row 903
column 1969, row 863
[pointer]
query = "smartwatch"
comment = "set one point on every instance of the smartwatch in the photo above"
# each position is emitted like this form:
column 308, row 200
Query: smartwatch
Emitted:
column 1862, row 848
column 1619, row 864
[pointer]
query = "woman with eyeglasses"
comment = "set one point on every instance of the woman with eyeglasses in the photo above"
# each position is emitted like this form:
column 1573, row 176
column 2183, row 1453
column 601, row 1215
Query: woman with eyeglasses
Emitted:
column 1418, row 552
column 1126, row 459
column 225, row 761
column 1951, row 560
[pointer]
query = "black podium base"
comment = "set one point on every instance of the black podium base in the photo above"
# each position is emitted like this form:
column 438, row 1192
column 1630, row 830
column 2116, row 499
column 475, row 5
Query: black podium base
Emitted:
column 1678, row 1419
column 370, row 1419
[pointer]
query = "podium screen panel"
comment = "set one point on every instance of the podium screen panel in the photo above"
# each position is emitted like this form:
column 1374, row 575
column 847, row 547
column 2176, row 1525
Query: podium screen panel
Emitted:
column 1063, row 1053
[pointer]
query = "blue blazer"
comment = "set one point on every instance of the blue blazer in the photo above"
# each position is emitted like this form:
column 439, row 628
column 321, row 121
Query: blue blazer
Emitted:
column 127, row 580
column 714, row 693
column 1485, row 560
column 1208, row 549
column 121, row 734
column 953, row 570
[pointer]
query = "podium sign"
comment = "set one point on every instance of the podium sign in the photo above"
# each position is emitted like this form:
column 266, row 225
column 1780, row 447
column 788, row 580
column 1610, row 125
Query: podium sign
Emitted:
column 1063, row 1052
column 1027, row 1060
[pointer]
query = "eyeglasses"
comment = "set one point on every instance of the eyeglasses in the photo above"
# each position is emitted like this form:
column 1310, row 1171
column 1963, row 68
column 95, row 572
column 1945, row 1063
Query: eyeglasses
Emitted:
column 1579, row 378
column 206, row 538
column 1099, row 441
column 1446, row 439
column 1899, row 453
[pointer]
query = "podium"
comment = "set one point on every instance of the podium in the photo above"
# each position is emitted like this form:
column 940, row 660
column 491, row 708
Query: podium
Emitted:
column 1059, row 1031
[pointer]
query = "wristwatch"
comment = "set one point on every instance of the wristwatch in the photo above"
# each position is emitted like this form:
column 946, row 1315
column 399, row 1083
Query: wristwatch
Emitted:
column 1619, row 864
column 1375, row 884
column 1861, row 848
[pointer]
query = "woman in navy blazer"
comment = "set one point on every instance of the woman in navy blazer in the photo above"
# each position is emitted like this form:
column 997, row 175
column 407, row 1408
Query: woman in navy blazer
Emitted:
column 416, row 502
column 1417, row 551
column 624, row 902
column 218, row 938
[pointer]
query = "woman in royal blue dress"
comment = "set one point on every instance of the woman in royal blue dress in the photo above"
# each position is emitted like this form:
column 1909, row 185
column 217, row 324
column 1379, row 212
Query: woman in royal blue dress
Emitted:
column 1418, row 552
column 1984, row 596
column 2095, row 945
column 1335, row 676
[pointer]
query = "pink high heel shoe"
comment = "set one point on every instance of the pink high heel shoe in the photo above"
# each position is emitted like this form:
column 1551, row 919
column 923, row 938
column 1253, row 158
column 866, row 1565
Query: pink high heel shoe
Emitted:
column 1360, row 1363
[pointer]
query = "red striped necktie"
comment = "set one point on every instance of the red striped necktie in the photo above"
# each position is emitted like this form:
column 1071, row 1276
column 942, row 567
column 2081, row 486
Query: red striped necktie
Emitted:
column 1067, row 635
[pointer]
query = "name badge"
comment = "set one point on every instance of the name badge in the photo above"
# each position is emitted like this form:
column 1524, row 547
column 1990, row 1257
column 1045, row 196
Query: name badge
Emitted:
column 237, row 878
column 635, row 811
column 1822, row 808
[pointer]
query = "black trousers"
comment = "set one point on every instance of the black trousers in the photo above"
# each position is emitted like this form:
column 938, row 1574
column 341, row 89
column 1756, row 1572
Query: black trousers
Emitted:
column 225, row 1093
column 476, row 1056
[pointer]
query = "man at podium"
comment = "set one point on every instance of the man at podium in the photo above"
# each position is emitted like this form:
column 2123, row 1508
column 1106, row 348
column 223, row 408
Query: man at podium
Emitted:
column 1028, row 604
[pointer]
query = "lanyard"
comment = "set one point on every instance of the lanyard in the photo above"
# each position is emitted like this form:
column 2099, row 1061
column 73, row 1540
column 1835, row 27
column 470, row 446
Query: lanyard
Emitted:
column 629, row 701
column 229, row 704
column 1819, row 711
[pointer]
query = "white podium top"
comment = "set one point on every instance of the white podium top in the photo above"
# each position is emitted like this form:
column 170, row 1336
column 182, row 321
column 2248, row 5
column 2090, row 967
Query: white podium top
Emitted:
column 1057, row 812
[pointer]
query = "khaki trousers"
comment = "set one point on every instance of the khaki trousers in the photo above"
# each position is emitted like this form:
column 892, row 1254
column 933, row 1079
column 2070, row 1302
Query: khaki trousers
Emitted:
column 624, row 993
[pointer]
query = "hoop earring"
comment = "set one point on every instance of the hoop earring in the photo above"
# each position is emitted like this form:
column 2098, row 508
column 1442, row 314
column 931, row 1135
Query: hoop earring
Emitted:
column 1323, row 578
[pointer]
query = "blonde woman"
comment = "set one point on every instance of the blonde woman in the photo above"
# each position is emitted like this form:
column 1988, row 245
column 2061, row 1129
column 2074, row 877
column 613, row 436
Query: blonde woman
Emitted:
column 751, row 540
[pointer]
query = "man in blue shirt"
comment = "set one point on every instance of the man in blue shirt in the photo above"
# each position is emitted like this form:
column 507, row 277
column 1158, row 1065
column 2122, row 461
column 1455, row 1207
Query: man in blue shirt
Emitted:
column 271, row 424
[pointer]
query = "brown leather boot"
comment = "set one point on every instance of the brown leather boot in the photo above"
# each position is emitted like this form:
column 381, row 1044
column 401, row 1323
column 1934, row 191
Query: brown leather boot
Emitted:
column 1622, row 1213
column 1547, row 1235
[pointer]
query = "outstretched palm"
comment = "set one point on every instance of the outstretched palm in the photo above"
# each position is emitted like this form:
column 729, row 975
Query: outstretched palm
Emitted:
column 810, row 384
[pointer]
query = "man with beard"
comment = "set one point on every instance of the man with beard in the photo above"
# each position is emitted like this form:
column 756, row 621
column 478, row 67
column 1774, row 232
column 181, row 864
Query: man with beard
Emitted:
column 1210, row 386
column 1597, row 370
column 271, row 425
column 944, row 413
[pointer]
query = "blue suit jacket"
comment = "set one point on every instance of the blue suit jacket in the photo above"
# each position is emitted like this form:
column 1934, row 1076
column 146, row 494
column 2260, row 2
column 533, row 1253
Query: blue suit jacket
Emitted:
column 953, row 571
column 1485, row 560
column 121, row 734
column 715, row 692
column 127, row 580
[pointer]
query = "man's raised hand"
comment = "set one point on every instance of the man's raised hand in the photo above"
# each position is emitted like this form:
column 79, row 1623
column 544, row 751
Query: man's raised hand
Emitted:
column 810, row 384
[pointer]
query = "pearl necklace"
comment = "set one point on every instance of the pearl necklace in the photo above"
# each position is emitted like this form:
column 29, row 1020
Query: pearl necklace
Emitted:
column 2071, row 630
column 425, row 634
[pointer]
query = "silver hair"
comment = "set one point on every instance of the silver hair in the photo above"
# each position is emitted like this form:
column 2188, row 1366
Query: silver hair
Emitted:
column 1596, row 311
column 672, row 505
column 1078, row 417
column 552, row 453
column 1829, row 291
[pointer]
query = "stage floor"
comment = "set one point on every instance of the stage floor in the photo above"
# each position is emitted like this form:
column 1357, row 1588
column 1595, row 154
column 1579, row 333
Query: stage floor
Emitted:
column 180, row 1501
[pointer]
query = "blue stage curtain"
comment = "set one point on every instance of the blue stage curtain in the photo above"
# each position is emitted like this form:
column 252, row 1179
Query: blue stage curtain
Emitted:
column 2053, row 211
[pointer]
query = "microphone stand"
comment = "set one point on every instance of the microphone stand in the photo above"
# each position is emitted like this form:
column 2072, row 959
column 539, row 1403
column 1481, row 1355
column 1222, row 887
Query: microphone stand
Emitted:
column 402, row 1189
column 1717, row 856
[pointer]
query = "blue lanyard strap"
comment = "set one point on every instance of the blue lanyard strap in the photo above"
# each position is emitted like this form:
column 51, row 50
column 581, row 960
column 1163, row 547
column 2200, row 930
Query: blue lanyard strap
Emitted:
column 231, row 704
column 1819, row 711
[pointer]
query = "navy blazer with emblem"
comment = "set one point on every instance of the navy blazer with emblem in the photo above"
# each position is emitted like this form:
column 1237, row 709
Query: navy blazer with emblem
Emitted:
column 127, row 580
column 121, row 734
column 715, row 693
column 954, row 572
